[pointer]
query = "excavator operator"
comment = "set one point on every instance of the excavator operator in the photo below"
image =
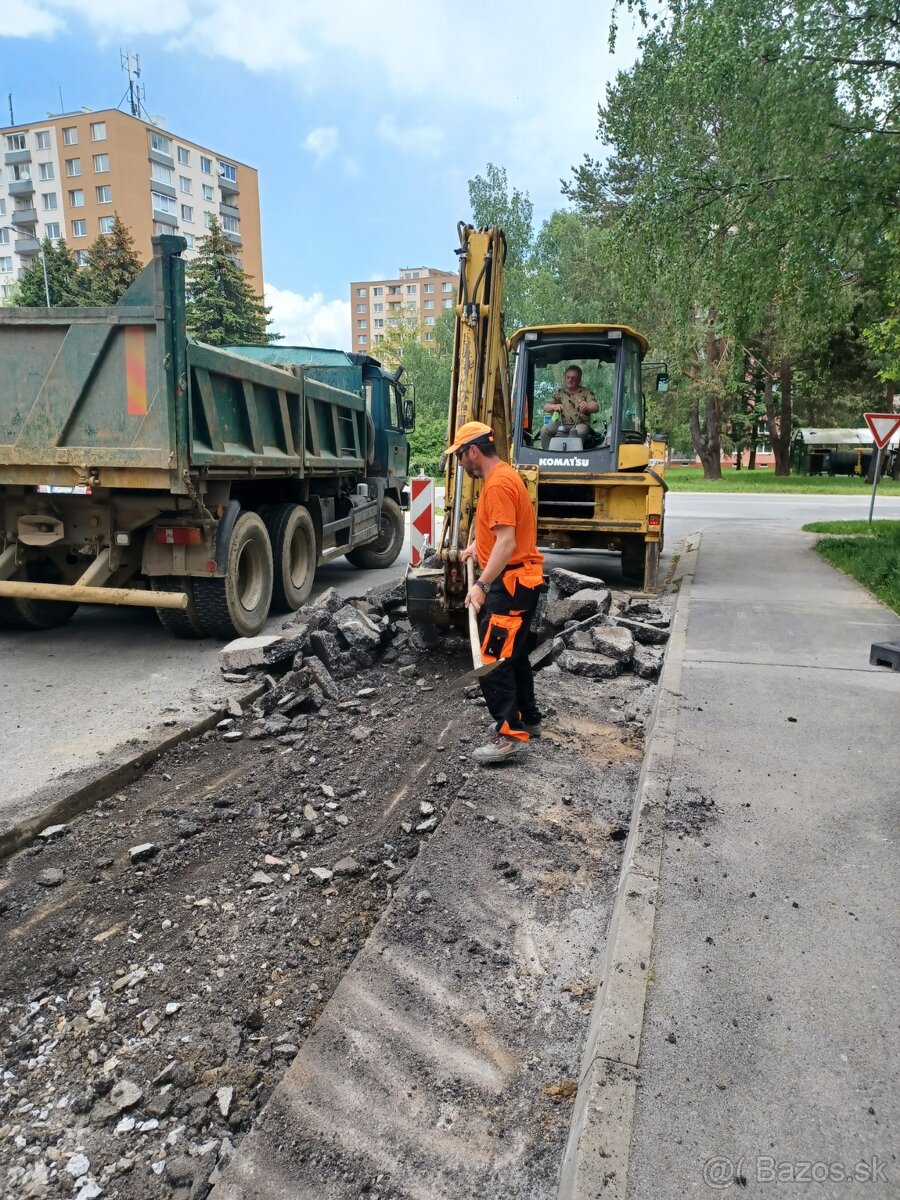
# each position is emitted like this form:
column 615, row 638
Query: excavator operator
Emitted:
column 506, row 594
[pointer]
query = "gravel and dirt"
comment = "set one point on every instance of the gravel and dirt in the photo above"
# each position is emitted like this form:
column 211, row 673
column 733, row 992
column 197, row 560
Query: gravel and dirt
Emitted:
column 167, row 955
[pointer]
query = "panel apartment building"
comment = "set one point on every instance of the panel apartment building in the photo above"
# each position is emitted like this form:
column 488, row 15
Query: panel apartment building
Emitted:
column 68, row 175
column 417, row 297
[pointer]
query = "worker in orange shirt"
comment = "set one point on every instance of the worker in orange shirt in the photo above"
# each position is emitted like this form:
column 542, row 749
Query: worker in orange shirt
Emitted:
column 506, row 593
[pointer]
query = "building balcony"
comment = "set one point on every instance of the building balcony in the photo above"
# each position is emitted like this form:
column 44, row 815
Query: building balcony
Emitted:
column 22, row 187
column 27, row 245
column 228, row 187
column 13, row 157
column 164, row 160
column 165, row 218
column 229, row 210
column 23, row 216
column 234, row 238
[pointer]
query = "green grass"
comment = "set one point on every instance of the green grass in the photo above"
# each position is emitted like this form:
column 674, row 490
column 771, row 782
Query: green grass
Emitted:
column 868, row 553
column 690, row 479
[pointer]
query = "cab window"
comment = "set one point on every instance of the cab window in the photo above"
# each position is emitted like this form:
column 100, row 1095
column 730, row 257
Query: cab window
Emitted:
column 632, row 420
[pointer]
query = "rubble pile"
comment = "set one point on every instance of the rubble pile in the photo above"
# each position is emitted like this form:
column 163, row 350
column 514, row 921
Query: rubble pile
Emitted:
column 587, row 629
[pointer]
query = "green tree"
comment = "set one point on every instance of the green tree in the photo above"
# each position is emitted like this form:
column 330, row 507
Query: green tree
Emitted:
column 222, row 307
column 64, row 278
column 112, row 266
column 495, row 203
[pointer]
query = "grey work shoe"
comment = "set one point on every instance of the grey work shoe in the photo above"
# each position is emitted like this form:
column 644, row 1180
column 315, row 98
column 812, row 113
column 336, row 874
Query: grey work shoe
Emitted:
column 533, row 730
column 501, row 749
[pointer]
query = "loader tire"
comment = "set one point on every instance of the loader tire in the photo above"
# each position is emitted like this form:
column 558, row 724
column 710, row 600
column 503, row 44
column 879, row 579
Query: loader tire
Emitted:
column 37, row 614
column 387, row 546
column 180, row 622
column 294, row 554
column 238, row 604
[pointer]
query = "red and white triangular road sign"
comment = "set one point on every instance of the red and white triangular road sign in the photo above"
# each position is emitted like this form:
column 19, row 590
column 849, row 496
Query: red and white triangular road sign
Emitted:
column 883, row 426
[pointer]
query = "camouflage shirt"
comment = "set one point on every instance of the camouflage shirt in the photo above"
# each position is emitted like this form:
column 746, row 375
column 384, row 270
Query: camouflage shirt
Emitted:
column 570, row 414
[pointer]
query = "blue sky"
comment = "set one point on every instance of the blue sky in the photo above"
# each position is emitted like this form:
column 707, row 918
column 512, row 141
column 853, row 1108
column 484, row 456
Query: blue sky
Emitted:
column 365, row 120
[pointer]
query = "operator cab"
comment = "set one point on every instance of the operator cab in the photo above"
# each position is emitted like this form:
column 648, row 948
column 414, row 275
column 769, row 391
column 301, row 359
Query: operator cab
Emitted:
column 609, row 361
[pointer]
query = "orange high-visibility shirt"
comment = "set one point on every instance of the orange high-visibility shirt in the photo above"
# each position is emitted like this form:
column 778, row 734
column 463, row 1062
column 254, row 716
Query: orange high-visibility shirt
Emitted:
column 504, row 501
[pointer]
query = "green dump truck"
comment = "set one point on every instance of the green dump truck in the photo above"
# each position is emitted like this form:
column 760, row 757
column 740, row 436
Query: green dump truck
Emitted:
column 140, row 467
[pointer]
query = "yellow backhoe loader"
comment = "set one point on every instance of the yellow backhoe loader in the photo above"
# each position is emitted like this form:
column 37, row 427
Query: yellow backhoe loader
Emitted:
column 600, row 486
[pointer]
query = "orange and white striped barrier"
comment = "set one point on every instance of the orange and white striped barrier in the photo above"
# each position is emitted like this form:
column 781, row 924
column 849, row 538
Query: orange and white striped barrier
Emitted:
column 421, row 516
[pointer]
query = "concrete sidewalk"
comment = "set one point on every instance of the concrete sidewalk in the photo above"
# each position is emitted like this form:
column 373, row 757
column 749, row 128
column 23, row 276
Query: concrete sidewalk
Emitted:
column 767, row 1059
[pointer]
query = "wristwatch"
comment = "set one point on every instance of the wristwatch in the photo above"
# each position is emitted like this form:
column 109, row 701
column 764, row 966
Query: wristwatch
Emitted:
column 484, row 586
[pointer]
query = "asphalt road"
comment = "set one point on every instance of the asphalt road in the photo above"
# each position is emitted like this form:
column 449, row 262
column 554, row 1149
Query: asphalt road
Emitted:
column 111, row 681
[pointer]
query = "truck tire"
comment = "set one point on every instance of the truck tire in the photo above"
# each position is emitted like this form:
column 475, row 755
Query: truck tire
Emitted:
column 294, row 554
column 180, row 622
column 633, row 558
column 37, row 614
column 237, row 606
column 384, row 550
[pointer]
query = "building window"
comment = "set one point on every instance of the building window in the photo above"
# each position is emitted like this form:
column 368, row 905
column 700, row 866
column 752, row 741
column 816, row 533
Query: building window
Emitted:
column 411, row 289
column 161, row 227
column 429, row 337
column 81, row 256
column 378, row 291
column 48, row 201
column 187, row 213
column 230, row 224
column 5, row 265
column 73, row 167
column 79, row 229
column 360, row 292
column 361, row 325
column 207, row 219
column 378, row 323
column 104, row 194
column 2, row 208
column 101, row 164
column 46, row 171
column 106, row 224
column 446, row 287
column 163, row 203
column 76, row 198
column 15, row 141
column 70, row 136
column 184, row 156
column 378, row 307
column 98, row 131
column 189, row 238
column 393, row 305
column 52, row 231
column 360, row 308
column 4, row 236
column 361, row 340
column 207, row 192
column 161, row 174
column 394, row 290
column 429, row 320
column 392, row 321
column 428, row 287
column 429, row 304
column 227, row 171
column 205, row 165
column 18, row 173
column 42, row 139
column 160, row 143
column 446, row 304
column 185, row 184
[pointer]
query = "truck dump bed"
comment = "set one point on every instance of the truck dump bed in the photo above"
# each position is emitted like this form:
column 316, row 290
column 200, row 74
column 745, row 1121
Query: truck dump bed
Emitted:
column 120, row 397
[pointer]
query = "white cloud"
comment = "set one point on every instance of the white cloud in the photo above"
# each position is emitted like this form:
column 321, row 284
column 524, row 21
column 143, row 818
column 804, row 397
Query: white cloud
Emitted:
column 24, row 20
column 423, row 141
column 309, row 320
column 322, row 141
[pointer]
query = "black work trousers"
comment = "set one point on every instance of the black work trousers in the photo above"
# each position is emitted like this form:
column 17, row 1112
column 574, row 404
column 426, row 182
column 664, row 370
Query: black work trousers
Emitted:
column 508, row 690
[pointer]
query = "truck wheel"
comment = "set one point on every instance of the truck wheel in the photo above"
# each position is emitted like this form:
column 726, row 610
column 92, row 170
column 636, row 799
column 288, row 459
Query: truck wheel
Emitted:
column 37, row 614
column 180, row 622
column 293, row 537
column 384, row 550
column 237, row 606
column 633, row 558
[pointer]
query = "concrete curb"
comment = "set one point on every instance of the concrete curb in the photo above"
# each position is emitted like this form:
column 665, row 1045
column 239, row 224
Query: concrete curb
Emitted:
column 596, row 1157
column 64, row 808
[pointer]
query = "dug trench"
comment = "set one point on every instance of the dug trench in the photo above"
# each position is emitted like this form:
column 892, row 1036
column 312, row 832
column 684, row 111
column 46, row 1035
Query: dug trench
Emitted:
column 326, row 954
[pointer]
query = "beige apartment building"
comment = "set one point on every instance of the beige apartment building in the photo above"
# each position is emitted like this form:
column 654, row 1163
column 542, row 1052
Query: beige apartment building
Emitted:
column 418, row 297
column 66, row 177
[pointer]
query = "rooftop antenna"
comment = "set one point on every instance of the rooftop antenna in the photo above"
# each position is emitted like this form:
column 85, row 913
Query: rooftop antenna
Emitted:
column 12, row 119
column 131, row 64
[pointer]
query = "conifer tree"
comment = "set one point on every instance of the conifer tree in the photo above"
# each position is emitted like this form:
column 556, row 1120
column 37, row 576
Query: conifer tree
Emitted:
column 222, row 307
column 112, row 266
column 64, row 278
